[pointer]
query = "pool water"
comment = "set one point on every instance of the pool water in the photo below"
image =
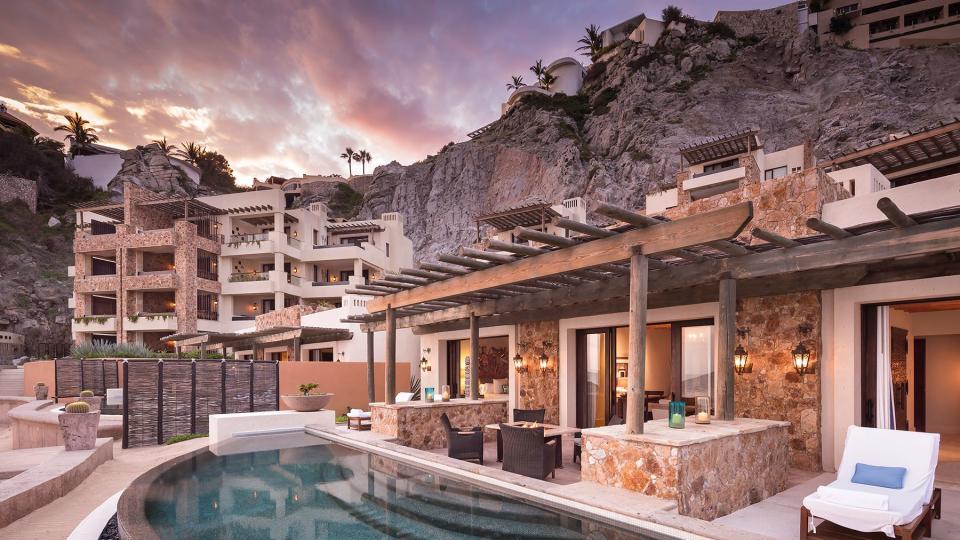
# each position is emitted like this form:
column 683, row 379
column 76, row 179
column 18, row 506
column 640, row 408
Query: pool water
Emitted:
column 331, row 491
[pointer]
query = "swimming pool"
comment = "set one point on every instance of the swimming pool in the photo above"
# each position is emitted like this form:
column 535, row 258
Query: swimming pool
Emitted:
column 331, row 491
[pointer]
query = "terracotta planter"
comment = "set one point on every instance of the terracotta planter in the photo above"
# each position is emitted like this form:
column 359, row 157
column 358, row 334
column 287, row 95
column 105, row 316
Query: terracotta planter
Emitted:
column 301, row 403
column 79, row 430
column 41, row 392
column 94, row 402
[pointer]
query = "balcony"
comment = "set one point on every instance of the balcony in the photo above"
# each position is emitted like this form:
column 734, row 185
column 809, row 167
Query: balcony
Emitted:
column 94, row 323
column 707, row 184
column 151, row 322
column 935, row 194
column 251, row 283
column 166, row 279
column 247, row 244
column 95, row 284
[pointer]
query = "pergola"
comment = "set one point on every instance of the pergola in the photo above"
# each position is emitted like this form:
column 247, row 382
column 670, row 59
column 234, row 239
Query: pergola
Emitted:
column 175, row 207
column 643, row 262
column 721, row 146
column 294, row 336
column 914, row 149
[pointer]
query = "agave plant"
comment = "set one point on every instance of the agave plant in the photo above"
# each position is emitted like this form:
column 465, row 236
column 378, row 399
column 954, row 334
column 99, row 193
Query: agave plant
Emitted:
column 415, row 386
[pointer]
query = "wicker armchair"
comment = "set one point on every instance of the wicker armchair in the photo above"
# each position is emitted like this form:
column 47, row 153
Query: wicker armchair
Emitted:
column 529, row 415
column 526, row 453
column 463, row 443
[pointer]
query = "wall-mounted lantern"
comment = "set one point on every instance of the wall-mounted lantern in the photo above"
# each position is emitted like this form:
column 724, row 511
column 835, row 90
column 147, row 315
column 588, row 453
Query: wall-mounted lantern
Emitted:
column 544, row 362
column 424, row 363
column 340, row 356
column 741, row 358
column 518, row 363
column 801, row 354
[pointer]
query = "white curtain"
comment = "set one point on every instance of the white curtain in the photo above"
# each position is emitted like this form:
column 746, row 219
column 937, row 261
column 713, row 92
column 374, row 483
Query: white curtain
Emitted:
column 885, row 412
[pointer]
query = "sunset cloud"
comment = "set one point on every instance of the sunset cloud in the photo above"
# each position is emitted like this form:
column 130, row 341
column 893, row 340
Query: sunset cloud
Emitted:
column 281, row 88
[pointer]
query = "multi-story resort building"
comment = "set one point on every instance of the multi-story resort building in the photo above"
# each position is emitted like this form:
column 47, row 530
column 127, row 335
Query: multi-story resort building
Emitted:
column 884, row 23
column 154, row 265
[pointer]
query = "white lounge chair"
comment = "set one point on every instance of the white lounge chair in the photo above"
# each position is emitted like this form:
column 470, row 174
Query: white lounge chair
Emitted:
column 358, row 419
column 403, row 396
column 898, row 513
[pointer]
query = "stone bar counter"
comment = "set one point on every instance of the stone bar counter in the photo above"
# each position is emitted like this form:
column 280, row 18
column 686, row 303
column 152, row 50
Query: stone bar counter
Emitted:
column 417, row 423
column 710, row 470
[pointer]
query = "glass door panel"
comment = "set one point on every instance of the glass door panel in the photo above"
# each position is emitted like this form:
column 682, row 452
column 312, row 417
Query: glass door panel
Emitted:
column 697, row 355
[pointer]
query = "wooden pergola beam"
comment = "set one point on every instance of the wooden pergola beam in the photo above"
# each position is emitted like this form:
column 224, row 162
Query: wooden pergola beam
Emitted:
column 699, row 229
column 828, row 229
column 774, row 238
column 465, row 262
column 894, row 213
column 544, row 238
column 583, row 228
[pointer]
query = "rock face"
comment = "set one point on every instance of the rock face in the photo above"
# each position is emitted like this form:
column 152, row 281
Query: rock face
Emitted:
column 619, row 140
column 148, row 167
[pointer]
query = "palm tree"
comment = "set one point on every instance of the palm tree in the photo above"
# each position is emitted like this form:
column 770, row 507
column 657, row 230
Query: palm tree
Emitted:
column 363, row 157
column 164, row 146
column 592, row 41
column 78, row 133
column 515, row 83
column 538, row 69
column 348, row 154
column 547, row 80
column 191, row 152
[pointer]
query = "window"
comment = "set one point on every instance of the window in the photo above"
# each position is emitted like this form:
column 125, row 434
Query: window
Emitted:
column 885, row 25
column 853, row 187
column 920, row 17
column 889, row 5
column 843, row 10
column 316, row 237
column 320, row 355
column 723, row 165
column 354, row 240
column 953, row 9
column 697, row 361
column 777, row 172
column 267, row 305
column 794, row 169
column 388, row 248
column 276, row 356
column 345, row 275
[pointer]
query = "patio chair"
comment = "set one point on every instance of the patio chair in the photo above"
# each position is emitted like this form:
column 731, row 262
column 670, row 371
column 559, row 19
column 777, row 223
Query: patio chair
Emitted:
column 463, row 443
column 529, row 415
column 526, row 452
column 359, row 420
column 884, row 484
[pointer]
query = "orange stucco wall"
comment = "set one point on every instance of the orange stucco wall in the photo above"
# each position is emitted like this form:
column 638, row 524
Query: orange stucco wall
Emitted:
column 347, row 380
column 34, row 372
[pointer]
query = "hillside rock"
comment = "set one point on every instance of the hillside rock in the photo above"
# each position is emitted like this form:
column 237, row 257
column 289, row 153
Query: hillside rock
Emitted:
column 620, row 139
column 147, row 166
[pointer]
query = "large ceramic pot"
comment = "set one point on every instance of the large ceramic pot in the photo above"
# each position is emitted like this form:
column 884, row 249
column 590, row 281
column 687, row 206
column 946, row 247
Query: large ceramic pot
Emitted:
column 94, row 402
column 310, row 403
column 40, row 391
column 79, row 430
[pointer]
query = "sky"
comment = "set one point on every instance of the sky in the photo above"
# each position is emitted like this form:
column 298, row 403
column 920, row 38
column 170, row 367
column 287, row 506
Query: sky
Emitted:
column 281, row 87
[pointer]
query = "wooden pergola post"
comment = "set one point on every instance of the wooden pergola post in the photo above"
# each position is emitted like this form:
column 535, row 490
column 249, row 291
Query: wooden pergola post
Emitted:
column 391, row 357
column 203, row 351
column 636, row 359
column 256, row 349
column 371, row 382
column 474, row 356
column 726, row 342
column 296, row 349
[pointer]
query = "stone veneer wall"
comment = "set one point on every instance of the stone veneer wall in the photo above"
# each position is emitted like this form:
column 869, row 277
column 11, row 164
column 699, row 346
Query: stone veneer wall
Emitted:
column 15, row 188
column 777, row 21
column 774, row 390
column 418, row 426
column 707, row 480
column 288, row 316
column 536, row 390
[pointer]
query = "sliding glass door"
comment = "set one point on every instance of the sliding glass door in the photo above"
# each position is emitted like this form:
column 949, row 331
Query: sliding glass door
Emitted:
column 596, row 377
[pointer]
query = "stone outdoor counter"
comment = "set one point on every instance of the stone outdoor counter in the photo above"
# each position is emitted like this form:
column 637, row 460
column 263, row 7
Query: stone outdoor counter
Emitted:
column 710, row 470
column 417, row 424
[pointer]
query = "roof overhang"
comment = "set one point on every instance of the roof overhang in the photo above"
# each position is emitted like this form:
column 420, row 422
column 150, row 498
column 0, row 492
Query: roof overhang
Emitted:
column 915, row 149
column 277, row 334
column 728, row 145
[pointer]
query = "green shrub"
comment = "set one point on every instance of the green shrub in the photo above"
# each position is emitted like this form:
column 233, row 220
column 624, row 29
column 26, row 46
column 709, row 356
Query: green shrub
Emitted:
column 186, row 437
column 603, row 99
column 77, row 407
column 86, row 393
column 111, row 350
column 671, row 14
column 721, row 30
column 342, row 419
column 576, row 107
column 594, row 72
column 305, row 389
column 840, row 24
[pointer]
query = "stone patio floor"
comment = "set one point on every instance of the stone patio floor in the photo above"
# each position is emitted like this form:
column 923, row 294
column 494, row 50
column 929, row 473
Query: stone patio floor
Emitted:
column 779, row 516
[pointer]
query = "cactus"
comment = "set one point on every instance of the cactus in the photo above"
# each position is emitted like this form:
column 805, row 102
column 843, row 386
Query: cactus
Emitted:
column 86, row 393
column 77, row 407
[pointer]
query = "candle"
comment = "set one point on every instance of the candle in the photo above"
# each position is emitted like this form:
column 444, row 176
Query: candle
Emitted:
column 676, row 419
column 703, row 417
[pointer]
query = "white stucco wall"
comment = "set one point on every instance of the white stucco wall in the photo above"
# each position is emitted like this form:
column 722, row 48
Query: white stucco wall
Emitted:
column 569, row 73
column 355, row 350
column 861, row 180
column 934, row 194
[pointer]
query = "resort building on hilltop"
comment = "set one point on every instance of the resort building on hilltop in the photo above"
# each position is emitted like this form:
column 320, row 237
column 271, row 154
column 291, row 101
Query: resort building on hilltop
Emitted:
column 12, row 124
column 882, row 23
column 153, row 266
column 640, row 29
column 569, row 73
column 780, row 289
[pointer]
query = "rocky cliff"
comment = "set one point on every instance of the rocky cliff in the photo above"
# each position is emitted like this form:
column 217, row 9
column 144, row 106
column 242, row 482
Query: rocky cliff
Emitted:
column 620, row 138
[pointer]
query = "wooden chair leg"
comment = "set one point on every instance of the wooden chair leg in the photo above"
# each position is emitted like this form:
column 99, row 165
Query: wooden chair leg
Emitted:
column 804, row 522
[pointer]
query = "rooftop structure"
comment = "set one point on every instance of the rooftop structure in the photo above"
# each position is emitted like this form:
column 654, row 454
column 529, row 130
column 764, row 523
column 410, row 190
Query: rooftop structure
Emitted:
column 870, row 24
column 569, row 73
column 11, row 123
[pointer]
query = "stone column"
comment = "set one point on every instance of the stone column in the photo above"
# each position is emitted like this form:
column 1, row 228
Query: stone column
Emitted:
column 358, row 268
column 636, row 357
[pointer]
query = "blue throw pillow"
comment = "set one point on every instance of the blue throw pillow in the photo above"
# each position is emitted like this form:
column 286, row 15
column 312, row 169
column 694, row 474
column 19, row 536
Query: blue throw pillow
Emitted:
column 874, row 475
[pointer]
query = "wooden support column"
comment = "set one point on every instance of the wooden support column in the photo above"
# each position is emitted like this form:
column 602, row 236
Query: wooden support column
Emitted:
column 176, row 350
column 726, row 342
column 474, row 356
column 256, row 348
column 296, row 350
column 636, row 359
column 371, row 381
column 203, row 351
column 391, row 357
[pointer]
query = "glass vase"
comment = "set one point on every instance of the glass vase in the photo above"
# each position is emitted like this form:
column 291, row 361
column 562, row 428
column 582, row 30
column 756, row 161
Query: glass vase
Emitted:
column 428, row 394
column 678, row 411
column 703, row 410
column 445, row 392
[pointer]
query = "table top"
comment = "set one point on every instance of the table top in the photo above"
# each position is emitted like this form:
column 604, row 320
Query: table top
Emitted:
column 549, row 430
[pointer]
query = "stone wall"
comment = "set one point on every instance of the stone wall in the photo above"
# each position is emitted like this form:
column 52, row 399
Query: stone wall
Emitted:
column 288, row 316
column 418, row 425
column 15, row 188
column 774, row 390
column 780, row 21
column 536, row 390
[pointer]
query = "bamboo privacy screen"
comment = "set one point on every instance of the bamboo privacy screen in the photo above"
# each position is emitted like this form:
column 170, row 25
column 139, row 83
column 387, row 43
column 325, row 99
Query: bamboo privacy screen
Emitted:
column 176, row 397
column 73, row 375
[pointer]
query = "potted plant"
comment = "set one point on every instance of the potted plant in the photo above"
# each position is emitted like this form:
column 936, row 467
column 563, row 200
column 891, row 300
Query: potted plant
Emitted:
column 305, row 401
column 87, row 397
column 40, row 391
column 79, row 426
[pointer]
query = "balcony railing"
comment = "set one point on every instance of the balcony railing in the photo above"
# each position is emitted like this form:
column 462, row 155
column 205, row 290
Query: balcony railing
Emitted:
column 235, row 239
column 293, row 280
column 328, row 283
column 714, row 171
column 293, row 242
column 208, row 315
column 249, row 276
column 244, row 317
column 207, row 274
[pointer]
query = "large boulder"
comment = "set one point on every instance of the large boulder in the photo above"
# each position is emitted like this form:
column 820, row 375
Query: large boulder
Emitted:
column 148, row 167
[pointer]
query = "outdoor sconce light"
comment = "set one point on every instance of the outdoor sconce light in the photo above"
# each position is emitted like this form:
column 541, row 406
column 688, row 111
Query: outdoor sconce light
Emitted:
column 518, row 363
column 801, row 354
column 424, row 363
column 340, row 356
column 543, row 362
column 253, row 308
column 741, row 357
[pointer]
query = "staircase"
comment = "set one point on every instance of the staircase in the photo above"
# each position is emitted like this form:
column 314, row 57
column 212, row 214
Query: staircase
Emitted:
column 11, row 382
